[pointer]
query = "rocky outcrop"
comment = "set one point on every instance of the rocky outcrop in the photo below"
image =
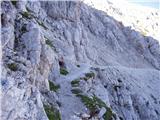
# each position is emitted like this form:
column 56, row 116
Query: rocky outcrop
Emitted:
column 67, row 60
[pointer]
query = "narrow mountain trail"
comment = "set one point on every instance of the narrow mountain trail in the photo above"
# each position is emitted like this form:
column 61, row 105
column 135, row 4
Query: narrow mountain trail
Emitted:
column 70, row 104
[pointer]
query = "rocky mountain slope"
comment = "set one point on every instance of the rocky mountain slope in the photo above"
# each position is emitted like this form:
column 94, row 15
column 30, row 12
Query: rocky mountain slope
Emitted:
column 68, row 60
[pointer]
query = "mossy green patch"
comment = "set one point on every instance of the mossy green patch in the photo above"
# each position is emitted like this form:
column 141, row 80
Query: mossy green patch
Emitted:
column 94, row 103
column 75, row 83
column 14, row 2
column 53, row 87
column 98, row 101
column 88, row 102
column 76, row 91
column 26, row 15
column 108, row 115
column 12, row 66
column 52, row 113
column 48, row 42
column 42, row 24
column 63, row 71
column 89, row 75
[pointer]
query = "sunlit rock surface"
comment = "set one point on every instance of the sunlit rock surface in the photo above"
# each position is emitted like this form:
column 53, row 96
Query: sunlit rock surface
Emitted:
column 74, row 60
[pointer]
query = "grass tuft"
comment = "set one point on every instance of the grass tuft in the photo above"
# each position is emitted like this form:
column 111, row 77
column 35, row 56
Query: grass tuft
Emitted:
column 63, row 71
column 88, row 76
column 26, row 15
column 75, row 83
column 42, row 24
column 12, row 66
column 94, row 104
column 53, row 87
column 52, row 114
column 108, row 115
column 14, row 2
column 76, row 91
column 48, row 42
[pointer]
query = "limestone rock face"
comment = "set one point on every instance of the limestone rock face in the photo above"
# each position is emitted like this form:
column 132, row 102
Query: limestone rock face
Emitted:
column 73, row 60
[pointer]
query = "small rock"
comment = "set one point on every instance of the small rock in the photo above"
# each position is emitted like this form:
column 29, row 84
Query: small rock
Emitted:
column 102, row 112
column 85, row 115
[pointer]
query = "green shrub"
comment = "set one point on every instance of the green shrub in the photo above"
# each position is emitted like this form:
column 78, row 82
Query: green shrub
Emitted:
column 26, row 15
column 52, row 114
column 89, row 103
column 76, row 91
column 12, row 66
column 94, row 103
column 42, row 24
column 89, row 75
column 53, row 87
column 48, row 42
column 14, row 2
column 99, row 102
column 63, row 71
column 108, row 115
column 75, row 83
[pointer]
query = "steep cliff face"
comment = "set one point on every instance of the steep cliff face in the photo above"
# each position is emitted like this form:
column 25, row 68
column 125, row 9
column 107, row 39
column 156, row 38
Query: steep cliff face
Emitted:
column 67, row 60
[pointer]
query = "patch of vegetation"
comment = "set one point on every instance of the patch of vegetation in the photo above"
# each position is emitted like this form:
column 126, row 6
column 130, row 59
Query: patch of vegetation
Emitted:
column 42, row 24
column 75, row 83
column 89, row 103
column 63, row 71
column 89, row 75
column 94, row 104
column 14, row 2
column 78, row 65
column 48, row 42
column 26, row 15
column 12, row 66
column 108, row 115
column 28, row 9
column 76, row 91
column 52, row 113
column 53, row 87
